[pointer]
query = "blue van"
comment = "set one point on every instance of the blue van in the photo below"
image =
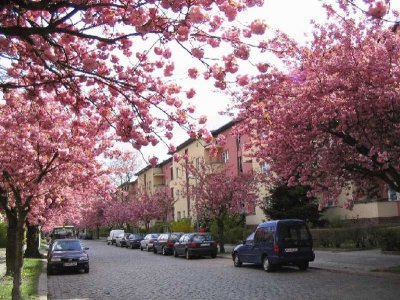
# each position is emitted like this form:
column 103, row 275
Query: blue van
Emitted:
column 277, row 243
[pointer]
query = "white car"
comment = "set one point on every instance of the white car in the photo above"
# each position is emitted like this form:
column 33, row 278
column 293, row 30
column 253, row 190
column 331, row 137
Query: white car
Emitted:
column 113, row 235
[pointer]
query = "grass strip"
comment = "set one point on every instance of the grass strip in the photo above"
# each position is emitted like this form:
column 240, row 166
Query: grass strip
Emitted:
column 30, row 279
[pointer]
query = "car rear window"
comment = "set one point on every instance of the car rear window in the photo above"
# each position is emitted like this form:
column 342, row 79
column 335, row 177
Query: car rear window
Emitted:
column 202, row 237
column 294, row 234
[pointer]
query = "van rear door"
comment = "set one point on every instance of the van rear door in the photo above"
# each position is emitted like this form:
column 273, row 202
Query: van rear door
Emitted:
column 294, row 238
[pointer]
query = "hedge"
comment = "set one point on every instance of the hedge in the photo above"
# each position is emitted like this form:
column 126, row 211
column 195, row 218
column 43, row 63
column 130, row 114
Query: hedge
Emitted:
column 3, row 235
column 387, row 238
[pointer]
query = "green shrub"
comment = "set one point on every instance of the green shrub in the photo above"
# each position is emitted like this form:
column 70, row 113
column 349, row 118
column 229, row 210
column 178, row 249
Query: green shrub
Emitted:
column 3, row 235
column 389, row 239
column 351, row 237
column 182, row 225
column 159, row 227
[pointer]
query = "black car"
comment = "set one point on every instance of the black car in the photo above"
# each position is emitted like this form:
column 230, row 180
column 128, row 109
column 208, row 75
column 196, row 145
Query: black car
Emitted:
column 165, row 242
column 134, row 240
column 67, row 254
column 196, row 244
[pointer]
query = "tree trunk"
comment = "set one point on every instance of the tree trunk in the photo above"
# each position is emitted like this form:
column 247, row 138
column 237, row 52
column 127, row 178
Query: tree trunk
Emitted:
column 98, row 232
column 17, row 278
column 11, row 244
column 220, row 225
column 32, row 241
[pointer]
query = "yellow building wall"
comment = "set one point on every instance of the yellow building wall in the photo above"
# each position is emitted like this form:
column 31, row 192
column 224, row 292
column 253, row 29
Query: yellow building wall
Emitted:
column 194, row 150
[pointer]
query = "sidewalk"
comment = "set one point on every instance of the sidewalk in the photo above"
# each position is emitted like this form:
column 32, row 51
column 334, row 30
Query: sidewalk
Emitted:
column 346, row 261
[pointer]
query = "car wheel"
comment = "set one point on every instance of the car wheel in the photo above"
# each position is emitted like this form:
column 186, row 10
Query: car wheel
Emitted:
column 303, row 266
column 87, row 270
column 49, row 271
column 213, row 255
column 141, row 248
column 187, row 255
column 163, row 251
column 175, row 253
column 267, row 266
column 236, row 260
column 154, row 250
column 131, row 246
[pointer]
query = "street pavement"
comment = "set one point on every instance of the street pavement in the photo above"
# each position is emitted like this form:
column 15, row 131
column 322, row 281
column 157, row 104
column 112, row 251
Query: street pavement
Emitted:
column 120, row 273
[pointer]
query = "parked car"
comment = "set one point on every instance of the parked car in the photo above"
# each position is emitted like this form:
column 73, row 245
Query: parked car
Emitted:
column 148, row 241
column 67, row 254
column 276, row 243
column 121, row 239
column 165, row 242
column 112, row 236
column 196, row 244
column 134, row 240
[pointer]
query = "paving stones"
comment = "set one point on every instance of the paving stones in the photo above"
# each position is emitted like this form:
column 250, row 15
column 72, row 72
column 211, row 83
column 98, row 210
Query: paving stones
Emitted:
column 120, row 273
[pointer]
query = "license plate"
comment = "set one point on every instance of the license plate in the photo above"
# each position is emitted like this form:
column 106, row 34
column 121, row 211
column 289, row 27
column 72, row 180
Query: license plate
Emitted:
column 291, row 250
column 205, row 244
column 70, row 264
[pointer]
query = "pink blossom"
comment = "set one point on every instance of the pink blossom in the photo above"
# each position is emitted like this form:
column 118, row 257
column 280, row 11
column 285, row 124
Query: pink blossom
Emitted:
column 379, row 10
column 202, row 120
column 177, row 157
column 198, row 53
column 262, row 67
column 220, row 140
column 193, row 73
column 158, row 50
column 258, row 27
column 242, row 80
column 190, row 94
column 153, row 161
column 196, row 15
column 89, row 64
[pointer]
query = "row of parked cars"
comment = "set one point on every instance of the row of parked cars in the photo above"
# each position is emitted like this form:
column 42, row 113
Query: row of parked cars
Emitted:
column 273, row 244
column 176, row 243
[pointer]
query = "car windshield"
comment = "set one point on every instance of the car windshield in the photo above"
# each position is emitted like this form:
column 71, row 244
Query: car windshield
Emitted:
column 153, row 236
column 64, row 231
column 67, row 246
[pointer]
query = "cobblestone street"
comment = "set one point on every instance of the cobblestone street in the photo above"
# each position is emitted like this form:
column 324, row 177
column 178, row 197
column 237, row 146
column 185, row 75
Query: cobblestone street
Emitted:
column 117, row 273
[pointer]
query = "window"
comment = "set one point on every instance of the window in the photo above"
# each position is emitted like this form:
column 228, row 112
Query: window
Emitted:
column 225, row 156
column 177, row 172
column 172, row 192
column 177, row 194
column 265, row 168
column 179, row 215
column 240, row 166
column 183, row 214
column 197, row 163
column 238, row 142
column 393, row 195
column 172, row 173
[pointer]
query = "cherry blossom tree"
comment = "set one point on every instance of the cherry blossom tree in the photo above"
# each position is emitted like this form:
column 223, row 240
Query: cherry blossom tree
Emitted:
column 331, row 120
column 45, row 157
column 217, row 193
column 117, row 57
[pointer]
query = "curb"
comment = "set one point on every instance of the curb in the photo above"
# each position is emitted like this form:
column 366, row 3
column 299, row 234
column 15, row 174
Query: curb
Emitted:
column 42, row 285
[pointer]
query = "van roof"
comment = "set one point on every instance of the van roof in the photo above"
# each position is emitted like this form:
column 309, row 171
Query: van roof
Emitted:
column 275, row 222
